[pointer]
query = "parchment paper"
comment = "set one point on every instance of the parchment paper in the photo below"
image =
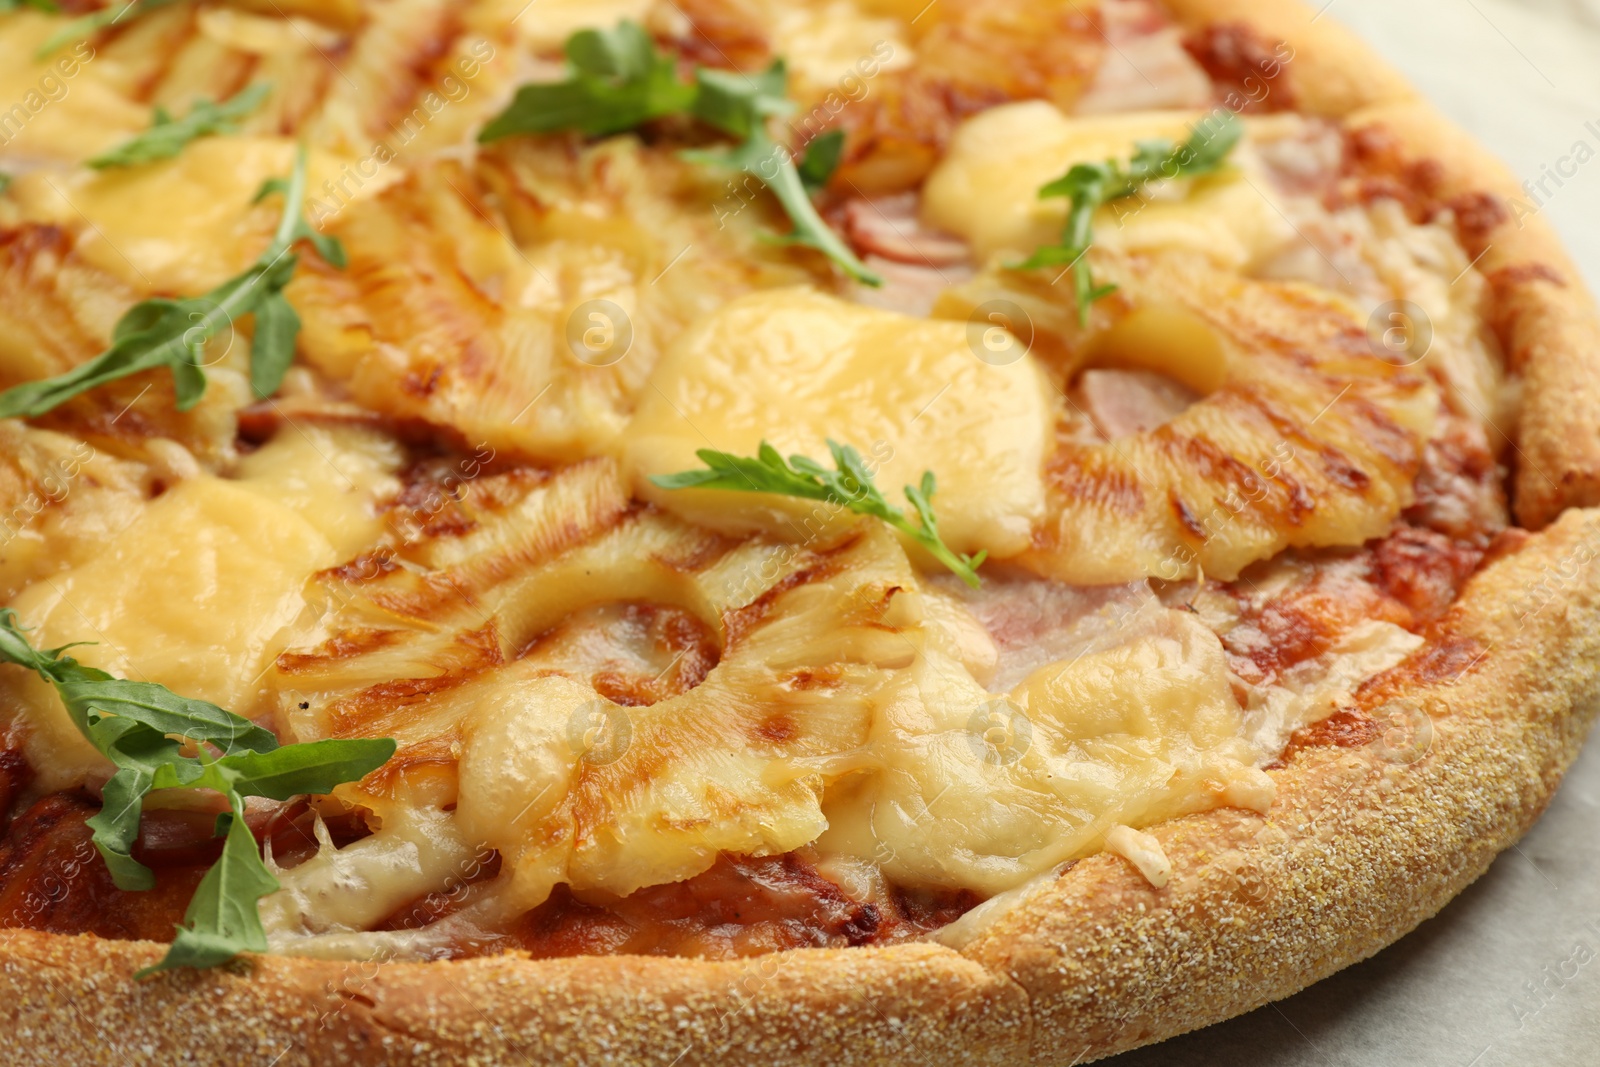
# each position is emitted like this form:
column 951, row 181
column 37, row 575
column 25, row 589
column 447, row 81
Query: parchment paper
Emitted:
column 1509, row 973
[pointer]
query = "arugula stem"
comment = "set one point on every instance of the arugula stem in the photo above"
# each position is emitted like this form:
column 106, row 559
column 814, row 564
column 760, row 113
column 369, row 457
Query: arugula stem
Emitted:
column 849, row 485
column 162, row 332
column 1091, row 186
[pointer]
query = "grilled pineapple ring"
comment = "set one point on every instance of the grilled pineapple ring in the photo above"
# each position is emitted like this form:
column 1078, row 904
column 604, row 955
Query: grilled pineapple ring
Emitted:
column 839, row 711
column 1303, row 436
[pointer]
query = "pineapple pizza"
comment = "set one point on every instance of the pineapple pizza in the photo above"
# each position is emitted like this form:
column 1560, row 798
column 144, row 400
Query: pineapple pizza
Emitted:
column 853, row 531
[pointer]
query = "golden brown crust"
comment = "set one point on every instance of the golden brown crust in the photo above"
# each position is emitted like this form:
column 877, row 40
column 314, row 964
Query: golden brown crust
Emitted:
column 1332, row 72
column 1361, row 845
column 74, row 1000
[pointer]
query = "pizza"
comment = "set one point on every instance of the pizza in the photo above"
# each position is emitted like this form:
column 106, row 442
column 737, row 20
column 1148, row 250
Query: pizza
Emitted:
column 857, row 531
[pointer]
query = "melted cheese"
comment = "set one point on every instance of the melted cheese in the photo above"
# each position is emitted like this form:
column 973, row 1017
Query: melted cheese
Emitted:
column 1313, row 689
column 329, row 476
column 216, row 573
column 796, row 368
column 356, row 887
column 1142, row 850
column 987, row 790
column 199, row 592
column 987, row 188
column 182, row 225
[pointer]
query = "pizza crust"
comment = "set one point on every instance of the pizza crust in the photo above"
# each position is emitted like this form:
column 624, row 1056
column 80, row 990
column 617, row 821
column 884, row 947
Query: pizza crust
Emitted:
column 1361, row 845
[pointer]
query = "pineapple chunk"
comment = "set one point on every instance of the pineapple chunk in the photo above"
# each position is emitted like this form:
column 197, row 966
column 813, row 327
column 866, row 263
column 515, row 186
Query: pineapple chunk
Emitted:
column 1311, row 440
column 61, row 501
column 987, row 188
column 547, row 28
column 795, row 368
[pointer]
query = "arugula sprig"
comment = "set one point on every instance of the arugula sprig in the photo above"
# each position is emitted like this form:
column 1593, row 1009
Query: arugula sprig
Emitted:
column 168, row 136
column 617, row 80
column 92, row 23
column 1091, row 186
column 38, row 5
column 850, row 485
column 162, row 332
column 159, row 740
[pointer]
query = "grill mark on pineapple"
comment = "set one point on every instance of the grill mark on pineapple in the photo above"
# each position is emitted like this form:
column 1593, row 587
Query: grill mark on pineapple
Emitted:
column 170, row 44
column 722, row 33
column 1242, row 491
column 346, row 645
column 417, row 71
column 703, row 548
column 1186, row 518
column 1336, row 464
column 436, row 594
column 973, row 58
column 33, row 267
column 378, row 709
column 739, row 623
column 364, row 714
column 1384, row 434
column 779, row 728
column 437, row 755
column 368, row 567
column 1090, row 475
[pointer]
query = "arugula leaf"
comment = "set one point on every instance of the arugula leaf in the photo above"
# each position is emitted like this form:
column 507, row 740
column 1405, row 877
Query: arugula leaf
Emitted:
column 94, row 22
column 822, row 158
column 93, row 694
column 167, row 136
column 849, row 486
column 5, row 181
column 1090, row 186
column 617, row 80
column 135, row 725
column 38, row 5
column 740, row 105
column 281, row 773
column 169, row 333
column 223, row 918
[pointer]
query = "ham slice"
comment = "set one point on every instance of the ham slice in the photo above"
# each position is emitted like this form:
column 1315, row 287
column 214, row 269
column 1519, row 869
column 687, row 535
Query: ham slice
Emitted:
column 1126, row 402
column 1146, row 67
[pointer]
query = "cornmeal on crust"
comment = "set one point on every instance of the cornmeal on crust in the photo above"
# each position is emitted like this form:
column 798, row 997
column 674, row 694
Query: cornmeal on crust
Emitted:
column 1341, row 800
